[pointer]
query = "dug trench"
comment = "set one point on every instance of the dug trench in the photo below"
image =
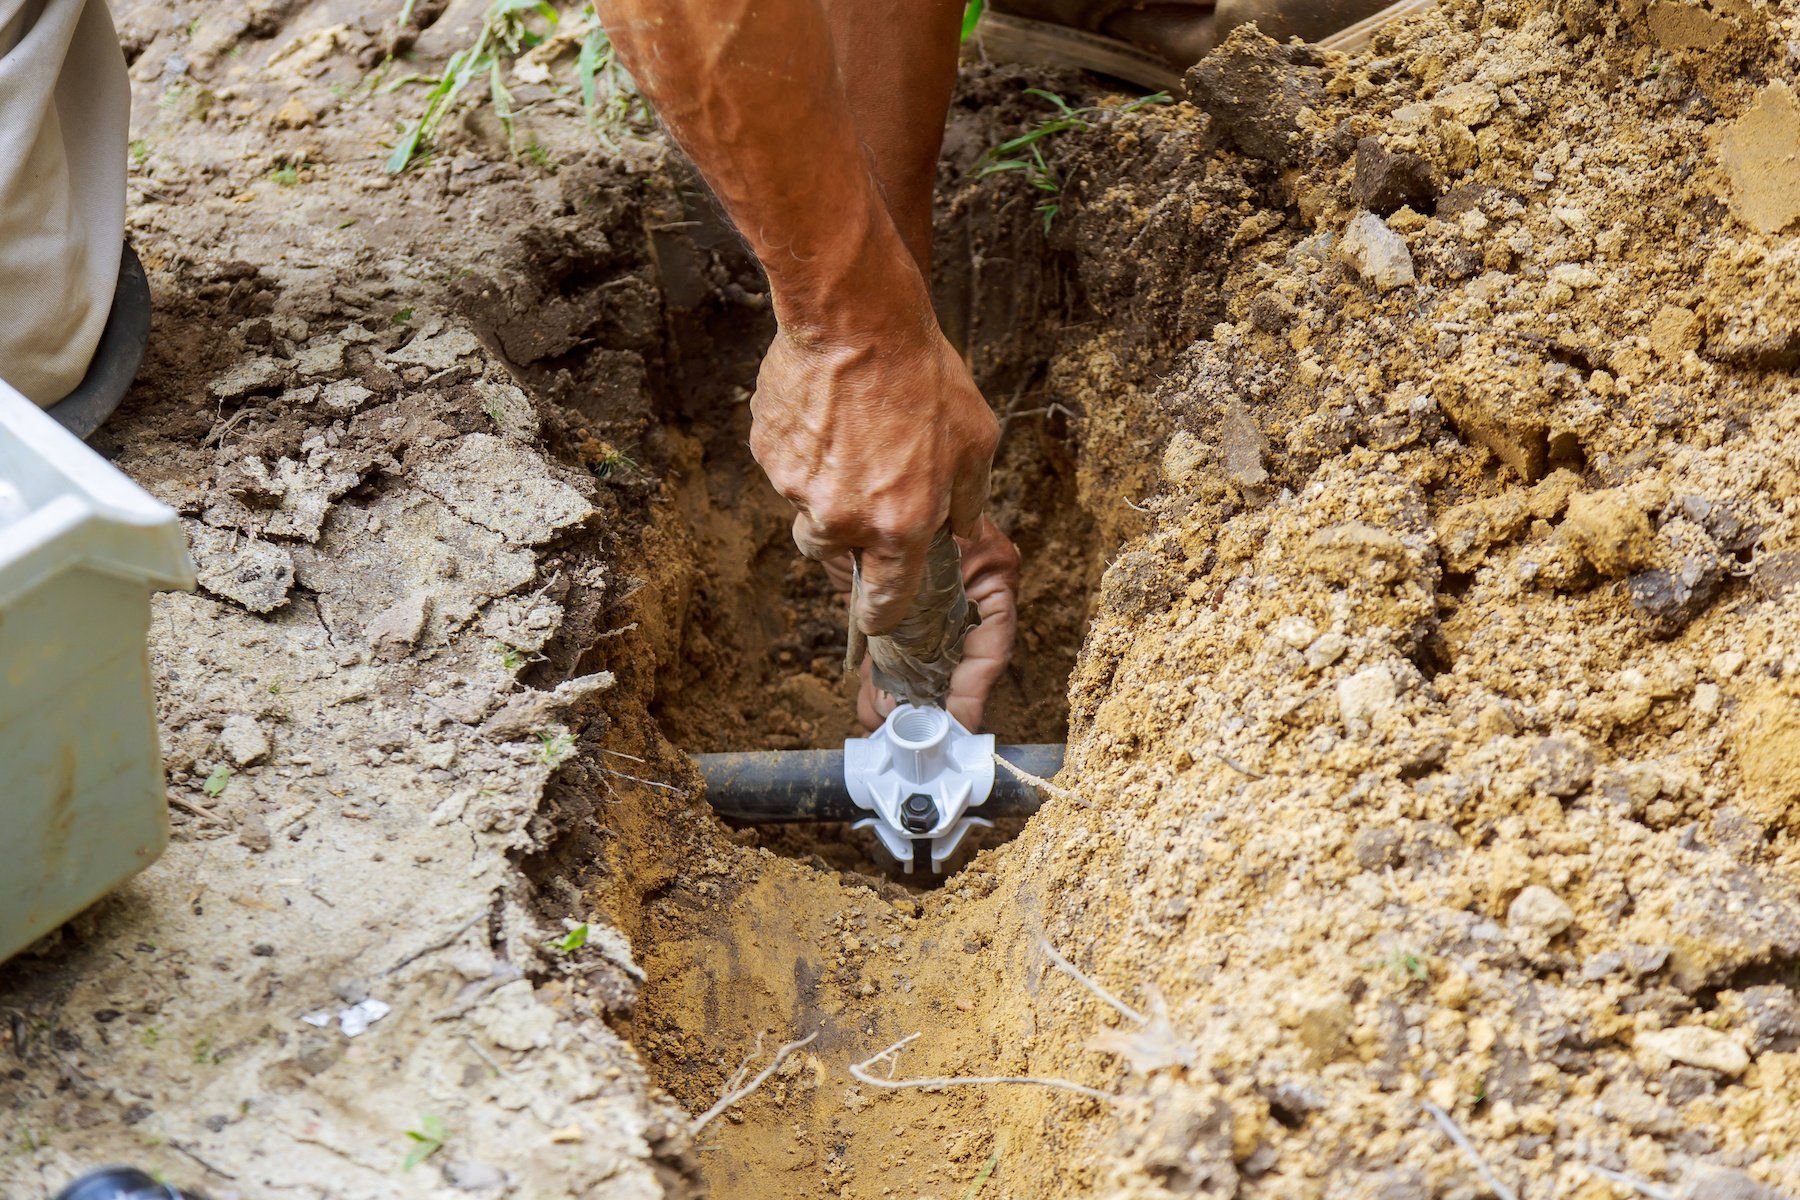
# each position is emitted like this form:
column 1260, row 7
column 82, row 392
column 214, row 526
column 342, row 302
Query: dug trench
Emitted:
column 1431, row 741
column 720, row 637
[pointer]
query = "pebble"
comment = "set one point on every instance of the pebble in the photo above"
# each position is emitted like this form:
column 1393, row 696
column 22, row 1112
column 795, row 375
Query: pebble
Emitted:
column 255, row 573
column 1183, row 458
column 1386, row 181
column 1296, row 631
column 251, row 375
column 345, row 395
column 1376, row 253
column 1697, row 1046
column 1672, row 599
column 475, row 1176
column 1323, row 1023
column 1375, row 848
column 1327, row 649
column 1365, row 694
column 243, row 740
column 1723, row 1183
column 1540, row 912
column 294, row 114
column 1564, row 766
column 1706, row 699
column 1469, row 104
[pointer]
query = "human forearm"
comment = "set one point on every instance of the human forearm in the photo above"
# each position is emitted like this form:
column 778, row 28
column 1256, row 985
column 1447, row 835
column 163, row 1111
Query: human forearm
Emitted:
column 864, row 416
column 751, row 90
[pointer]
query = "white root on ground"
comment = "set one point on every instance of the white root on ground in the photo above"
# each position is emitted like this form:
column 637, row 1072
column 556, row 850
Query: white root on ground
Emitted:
column 891, row 1055
column 862, row 1070
column 1041, row 784
column 1073, row 972
column 1637, row 1185
column 736, row 1090
column 1462, row 1142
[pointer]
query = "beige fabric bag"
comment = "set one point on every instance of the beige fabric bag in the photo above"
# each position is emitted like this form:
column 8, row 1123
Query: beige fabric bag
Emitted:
column 65, row 116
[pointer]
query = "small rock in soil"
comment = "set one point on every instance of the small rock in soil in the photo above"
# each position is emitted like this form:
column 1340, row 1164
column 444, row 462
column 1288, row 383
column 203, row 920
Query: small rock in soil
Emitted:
column 1610, row 531
column 1376, row 848
column 1365, row 695
column 1697, row 1046
column 474, row 1176
column 1671, row 599
column 1326, row 650
column 1772, row 1018
column 243, row 740
column 1539, row 912
column 1323, row 1022
column 344, row 395
column 254, row 573
column 1722, row 1183
column 1564, row 766
column 1683, row 1085
column 1386, row 181
column 1760, row 152
column 1242, row 449
column 253, row 833
column 1376, row 253
column 1255, row 90
column 253, row 375
column 398, row 628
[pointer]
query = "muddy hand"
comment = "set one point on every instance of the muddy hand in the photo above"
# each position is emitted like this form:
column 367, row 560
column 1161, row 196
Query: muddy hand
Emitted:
column 991, row 579
column 878, row 440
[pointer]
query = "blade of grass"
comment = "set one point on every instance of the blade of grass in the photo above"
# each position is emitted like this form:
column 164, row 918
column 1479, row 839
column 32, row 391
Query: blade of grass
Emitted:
column 1053, row 98
column 971, row 17
column 587, row 67
column 981, row 1176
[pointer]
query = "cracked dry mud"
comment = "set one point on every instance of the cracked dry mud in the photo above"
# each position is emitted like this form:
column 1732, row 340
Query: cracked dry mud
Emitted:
column 1419, row 428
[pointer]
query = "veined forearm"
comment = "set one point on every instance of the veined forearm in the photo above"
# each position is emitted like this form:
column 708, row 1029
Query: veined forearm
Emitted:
column 751, row 91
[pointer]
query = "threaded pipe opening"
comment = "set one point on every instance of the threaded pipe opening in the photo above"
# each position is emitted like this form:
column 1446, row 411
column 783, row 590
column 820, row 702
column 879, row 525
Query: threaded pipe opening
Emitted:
column 920, row 726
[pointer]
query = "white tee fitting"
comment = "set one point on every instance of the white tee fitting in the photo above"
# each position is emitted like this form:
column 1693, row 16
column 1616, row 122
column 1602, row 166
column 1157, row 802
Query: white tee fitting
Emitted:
column 919, row 774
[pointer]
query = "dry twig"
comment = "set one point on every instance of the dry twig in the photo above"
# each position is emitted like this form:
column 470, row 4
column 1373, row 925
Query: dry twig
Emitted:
column 667, row 787
column 1640, row 1186
column 736, row 1091
column 197, row 809
column 891, row 1055
column 1462, row 1142
column 1073, row 972
column 1040, row 783
column 1240, row 768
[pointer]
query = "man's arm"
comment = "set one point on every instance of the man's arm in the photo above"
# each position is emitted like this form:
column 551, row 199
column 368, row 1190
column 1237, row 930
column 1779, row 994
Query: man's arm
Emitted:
column 864, row 416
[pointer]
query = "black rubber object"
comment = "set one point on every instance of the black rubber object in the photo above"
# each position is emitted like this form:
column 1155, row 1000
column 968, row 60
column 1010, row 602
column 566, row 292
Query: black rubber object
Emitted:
column 117, row 356
column 776, row 786
column 119, row 1183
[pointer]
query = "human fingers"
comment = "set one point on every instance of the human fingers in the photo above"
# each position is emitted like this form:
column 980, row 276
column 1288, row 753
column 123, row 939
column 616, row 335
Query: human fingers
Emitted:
column 890, row 582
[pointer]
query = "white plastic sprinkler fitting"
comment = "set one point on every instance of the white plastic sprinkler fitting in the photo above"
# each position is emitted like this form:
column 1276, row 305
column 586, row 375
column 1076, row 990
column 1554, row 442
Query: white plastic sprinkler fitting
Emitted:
column 920, row 774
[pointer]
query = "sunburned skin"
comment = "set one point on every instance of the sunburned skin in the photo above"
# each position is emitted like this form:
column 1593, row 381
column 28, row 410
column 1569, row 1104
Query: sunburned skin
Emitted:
column 818, row 128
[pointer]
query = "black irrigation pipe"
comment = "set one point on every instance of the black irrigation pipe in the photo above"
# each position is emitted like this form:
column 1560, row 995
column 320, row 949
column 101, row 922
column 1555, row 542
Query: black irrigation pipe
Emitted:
column 772, row 786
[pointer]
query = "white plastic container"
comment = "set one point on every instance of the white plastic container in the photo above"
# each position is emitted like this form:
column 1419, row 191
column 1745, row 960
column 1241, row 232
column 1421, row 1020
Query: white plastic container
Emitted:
column 82, row 805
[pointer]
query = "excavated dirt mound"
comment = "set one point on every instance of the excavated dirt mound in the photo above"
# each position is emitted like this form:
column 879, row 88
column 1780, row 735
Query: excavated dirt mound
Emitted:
column 1418, row 429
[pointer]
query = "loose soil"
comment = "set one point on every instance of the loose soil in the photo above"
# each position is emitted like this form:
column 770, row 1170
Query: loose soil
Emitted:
column 1403, row 451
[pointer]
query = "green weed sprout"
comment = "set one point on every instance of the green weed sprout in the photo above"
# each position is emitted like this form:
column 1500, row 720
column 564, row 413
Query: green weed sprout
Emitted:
column 504, row 33
column 1025, row 153
column 427, row 1140
column 555, row 745
column 609, row 97
column 972, row 17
